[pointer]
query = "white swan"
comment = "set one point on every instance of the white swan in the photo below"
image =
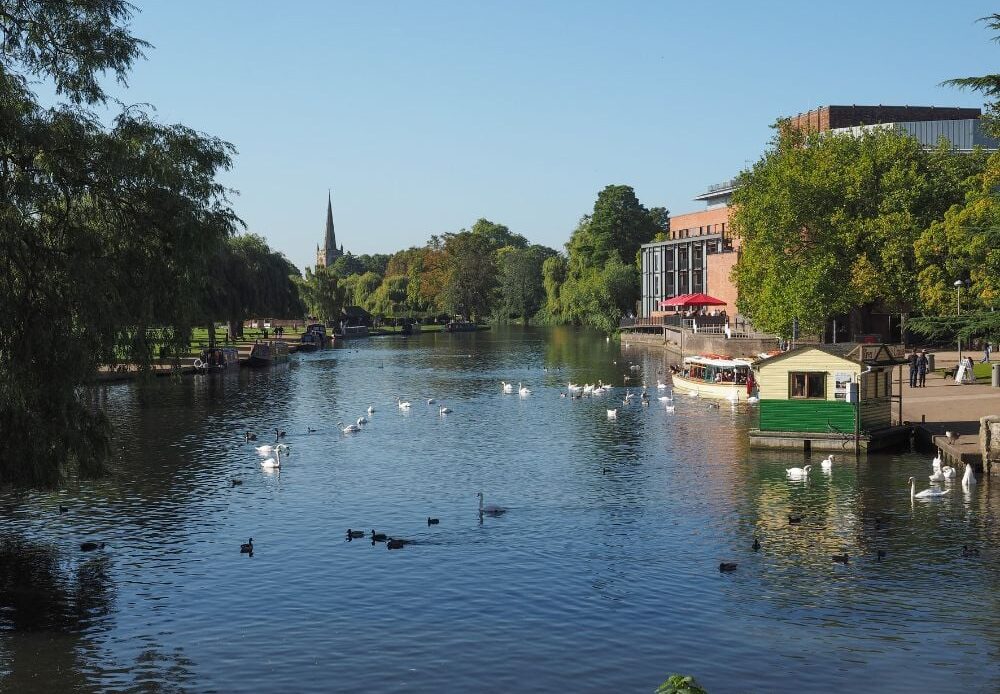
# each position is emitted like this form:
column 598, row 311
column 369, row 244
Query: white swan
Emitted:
column 362, row 420
column 523, row 390
column 796, row 473
column 929, row 493
column 936, row 463
column 969, row 478
column 269, row 449
column 444, row 410
column 660, row 385
column 507, row 387
column 669, row 408
column 573, row 388
column 949, row 472
column 350, row 428
column 403, row 405
column 431, row 401
column 371, row 409
column 491, row 509
column 272, row 463
column 937, row 476
column 613, row 414
column 827, row 463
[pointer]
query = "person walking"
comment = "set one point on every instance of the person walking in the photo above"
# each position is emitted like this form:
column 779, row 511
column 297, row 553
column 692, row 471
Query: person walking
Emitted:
column 922, row 364
column 914, row 355
column 987, row 348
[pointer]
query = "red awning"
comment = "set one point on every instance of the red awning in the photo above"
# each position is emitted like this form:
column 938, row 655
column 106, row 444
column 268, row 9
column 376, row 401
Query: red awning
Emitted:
column 692, row 300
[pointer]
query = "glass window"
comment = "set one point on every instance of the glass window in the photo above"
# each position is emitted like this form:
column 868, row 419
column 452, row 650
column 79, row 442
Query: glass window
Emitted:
column 807, row 385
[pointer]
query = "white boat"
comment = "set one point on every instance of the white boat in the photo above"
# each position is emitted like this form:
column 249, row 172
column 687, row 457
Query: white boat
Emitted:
column 714, row 376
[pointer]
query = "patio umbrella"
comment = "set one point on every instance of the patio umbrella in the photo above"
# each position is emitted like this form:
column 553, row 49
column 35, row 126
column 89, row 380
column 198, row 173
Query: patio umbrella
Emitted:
column 691, row 301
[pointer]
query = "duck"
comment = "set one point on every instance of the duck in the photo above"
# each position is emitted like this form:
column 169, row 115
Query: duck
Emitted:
column 402, row 404
column 929, row 493
column 371, row 410
column 396, row 543
column 355, row 534
column 969, row 551
column 523, row 390
column 378, row 537
column 491, row 509
column 272, row 463
column 798, row 472
column 444, row 410
column 613, row 414
column 840, row 558
column 236, row 482
column 250, row 436
column 756, row 545
column 350, row 428
column 247, row 547
column 63, row 509
column 827, row 463
column 91, row 546
column 433, row 521
column 794, row 520
column 279, row 434
column 969, row 478
column 727, row 566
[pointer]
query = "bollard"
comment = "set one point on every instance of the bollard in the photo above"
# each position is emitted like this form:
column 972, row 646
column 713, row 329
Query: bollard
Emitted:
column 930, row 363
column 996, row 375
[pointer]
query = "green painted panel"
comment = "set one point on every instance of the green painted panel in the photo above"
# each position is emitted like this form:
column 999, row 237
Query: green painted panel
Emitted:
column 806, row 415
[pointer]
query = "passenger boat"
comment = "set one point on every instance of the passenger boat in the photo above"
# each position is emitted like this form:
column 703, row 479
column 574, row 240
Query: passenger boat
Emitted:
column 267, row 353
column 715, row 376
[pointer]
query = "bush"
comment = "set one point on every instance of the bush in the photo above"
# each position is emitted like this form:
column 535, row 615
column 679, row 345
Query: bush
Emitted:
column 680, row 684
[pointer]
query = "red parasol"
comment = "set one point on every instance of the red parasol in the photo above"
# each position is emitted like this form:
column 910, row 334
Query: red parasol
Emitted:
column 690, row 300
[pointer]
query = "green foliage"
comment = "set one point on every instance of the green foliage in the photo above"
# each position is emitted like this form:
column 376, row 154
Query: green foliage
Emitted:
column 521, row 291
column 619, row 223
column 471, row 274
column 349, row 264
column 106, row 231
column 987, row 85
column 600, row 297
column 554, row 273
column 680, row 684
column 390, row 299
column 968, row 326
column 323, row 293
column 828, row 224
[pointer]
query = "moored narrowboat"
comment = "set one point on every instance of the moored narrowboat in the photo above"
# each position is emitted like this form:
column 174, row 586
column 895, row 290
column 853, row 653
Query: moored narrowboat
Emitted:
column 266, row 354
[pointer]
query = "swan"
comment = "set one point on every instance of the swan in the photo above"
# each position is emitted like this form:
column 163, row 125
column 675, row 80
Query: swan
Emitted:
column 669, row 408
column 938, row 476
column 660, row 385
column 613, row 414
column 523, row 390
column 573, row 388
column 665, row 398
column 350, row 428
column 507, row 387
column 247, row 547
column 969, row 478
column 827, row 463
column 936, row 462
column 929, row 493
column 431, row 401
column 403, row 405
column 798, row 472
column 444, row 410
column 949, row 472
column 362, row 420
column 491, row 509
column 272, row 463
column 371, row 409
column 753, row 400
column 269, row 449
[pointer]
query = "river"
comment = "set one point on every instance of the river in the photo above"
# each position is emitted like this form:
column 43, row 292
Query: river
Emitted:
column 603, row 575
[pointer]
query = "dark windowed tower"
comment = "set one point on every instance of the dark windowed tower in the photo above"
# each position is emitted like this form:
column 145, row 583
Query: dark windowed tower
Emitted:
column 329, row 252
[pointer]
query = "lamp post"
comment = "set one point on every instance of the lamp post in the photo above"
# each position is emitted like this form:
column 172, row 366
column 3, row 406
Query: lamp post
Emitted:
column 958, row 300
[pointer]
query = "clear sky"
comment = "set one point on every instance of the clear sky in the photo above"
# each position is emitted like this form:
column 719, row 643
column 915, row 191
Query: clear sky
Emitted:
column 424, row 116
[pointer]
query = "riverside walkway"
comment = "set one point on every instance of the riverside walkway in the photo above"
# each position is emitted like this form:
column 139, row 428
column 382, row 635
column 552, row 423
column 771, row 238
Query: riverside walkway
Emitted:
column 944, row 405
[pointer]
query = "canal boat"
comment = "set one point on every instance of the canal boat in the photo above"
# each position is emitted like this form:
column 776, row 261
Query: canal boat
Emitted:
column 314, row 338
column 267, row 354
column 459, row 326
column 715, row 376
column 217, row 359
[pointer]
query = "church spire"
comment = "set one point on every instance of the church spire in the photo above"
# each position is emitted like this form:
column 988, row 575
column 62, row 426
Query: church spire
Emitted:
column 330, row 245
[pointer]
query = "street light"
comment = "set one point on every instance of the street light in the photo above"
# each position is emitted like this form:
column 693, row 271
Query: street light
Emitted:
column 958, row 298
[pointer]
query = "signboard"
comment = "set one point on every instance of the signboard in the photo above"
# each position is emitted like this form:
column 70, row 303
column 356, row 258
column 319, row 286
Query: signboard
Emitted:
column 870, row 352
column 841, row 384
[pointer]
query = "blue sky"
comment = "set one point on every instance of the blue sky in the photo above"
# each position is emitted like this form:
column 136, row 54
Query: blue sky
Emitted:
column 424, row 116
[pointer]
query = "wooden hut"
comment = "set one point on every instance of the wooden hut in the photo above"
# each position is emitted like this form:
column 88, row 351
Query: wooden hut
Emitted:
column 829, row 397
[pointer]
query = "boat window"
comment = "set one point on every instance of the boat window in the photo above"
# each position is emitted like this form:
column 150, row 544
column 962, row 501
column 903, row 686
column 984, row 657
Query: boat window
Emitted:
column 807, row 385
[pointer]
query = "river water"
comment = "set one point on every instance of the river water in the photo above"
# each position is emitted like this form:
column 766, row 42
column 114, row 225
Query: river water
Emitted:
column 603, row 576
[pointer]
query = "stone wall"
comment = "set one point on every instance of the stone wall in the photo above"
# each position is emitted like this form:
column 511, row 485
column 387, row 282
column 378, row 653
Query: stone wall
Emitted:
column 989, row 442
column 689, row 344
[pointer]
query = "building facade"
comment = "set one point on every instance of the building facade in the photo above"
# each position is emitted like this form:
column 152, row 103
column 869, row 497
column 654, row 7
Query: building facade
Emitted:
column 329, row 252
column 697, row 256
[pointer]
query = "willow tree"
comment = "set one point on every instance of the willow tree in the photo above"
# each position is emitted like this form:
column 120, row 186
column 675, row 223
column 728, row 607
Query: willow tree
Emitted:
column 106, row 230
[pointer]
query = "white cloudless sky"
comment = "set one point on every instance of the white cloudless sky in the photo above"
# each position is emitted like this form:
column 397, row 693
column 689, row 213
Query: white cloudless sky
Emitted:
column 425, row 116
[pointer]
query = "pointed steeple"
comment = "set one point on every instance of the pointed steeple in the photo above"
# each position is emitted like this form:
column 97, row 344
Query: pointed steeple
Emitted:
column 330, row 245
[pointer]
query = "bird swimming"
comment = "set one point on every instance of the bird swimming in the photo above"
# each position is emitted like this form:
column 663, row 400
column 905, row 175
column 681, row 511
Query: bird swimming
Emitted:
column 354, row 534
column 727, row 566
column 91, row 546
column 247, row 547
column 840, row 558
column 378, row 537
column 444, row 410
column 433, row 521
column 827, row 463
column 756, row 545
column 490, row 509
column 798, row 472
column 930, row 493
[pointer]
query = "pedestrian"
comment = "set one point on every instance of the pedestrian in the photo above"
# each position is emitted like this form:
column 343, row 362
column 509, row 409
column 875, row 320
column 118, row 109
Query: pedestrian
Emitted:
column 970, row 376
column 987, row 348
column 914, row 355
column 922, row 364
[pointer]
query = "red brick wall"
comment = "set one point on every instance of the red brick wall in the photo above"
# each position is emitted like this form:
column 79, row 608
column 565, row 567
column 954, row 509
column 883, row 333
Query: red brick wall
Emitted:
column 828, row 117
column 695, row 222
column 718, row 283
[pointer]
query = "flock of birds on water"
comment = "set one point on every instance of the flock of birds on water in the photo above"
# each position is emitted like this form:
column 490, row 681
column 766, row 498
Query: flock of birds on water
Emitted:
column 941, row 474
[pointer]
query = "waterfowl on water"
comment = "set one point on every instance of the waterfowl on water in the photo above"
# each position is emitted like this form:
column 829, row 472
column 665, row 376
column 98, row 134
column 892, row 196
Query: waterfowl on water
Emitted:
column 402, row 404
column 431, row 401
column 798, row 472
column 949, row 472
column 371, row 409
column 63, row 509
column 396, row 543
column 279, row 434
column 613, row 414
column 350, row 428
column 236, row 482
column 491, row 509
column 91, row 546
column 840, row 558
column 727, row 566
column 444, row 410
column 794, row 519
column 969, row 551
column 268, row 449
column 827, row 463
column 250, row 437
column 969, row 479
column 433, row 521
column 247, row 547
column 378, row 537
column 362, row 420
column 930, row 493
column 755, row 545
column 507, row 387
column 355, row 534
column 272, row 463
column 523, row 390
